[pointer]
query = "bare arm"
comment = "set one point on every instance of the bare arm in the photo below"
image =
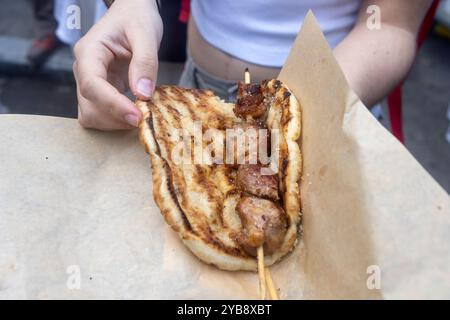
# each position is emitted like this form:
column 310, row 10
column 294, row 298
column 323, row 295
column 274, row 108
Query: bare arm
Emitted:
column 375, row 61
column 119, row 52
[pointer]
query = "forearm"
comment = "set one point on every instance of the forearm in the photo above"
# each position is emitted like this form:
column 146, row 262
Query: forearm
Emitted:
column 375, row 61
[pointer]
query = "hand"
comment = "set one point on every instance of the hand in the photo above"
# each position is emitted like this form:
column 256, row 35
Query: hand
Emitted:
column 119, row 52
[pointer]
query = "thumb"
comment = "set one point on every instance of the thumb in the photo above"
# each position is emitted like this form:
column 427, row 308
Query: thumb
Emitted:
column 144, row 64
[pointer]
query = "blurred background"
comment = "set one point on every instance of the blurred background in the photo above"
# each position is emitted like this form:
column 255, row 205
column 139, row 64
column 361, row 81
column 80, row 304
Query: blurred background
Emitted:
column 36, row 72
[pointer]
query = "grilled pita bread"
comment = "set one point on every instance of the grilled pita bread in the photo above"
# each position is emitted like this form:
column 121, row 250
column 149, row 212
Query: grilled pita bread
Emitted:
column 198, row 200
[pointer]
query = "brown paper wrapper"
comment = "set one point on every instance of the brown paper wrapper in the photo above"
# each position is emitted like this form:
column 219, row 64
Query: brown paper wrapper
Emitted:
column 75, row 202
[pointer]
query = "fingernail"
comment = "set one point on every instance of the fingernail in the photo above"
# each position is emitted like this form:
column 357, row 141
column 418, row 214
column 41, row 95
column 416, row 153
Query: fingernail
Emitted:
column 132, row 120
column 145, row 87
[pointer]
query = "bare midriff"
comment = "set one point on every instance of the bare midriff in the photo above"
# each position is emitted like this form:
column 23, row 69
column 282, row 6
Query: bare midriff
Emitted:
column 220, row 64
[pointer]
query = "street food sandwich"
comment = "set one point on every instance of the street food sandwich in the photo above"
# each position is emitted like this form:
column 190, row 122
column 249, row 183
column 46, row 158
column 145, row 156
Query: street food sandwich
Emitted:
column 226, row 176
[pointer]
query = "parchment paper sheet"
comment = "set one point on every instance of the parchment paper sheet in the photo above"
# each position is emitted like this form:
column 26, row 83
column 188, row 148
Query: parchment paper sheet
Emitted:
column 73, row 197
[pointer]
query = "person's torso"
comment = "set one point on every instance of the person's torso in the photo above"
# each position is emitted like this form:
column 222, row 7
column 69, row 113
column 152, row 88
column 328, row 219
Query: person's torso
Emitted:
column 262, row 32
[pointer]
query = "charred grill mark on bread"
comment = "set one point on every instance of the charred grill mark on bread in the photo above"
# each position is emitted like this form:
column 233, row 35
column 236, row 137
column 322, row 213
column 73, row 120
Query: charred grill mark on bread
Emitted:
column 201, row 181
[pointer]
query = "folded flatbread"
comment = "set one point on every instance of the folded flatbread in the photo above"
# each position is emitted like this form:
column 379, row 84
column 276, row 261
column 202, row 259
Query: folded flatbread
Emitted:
column 198, row 199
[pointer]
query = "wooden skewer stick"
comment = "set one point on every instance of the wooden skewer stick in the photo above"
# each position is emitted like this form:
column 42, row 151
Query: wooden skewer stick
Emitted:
column 261, row 273
column 271, row 286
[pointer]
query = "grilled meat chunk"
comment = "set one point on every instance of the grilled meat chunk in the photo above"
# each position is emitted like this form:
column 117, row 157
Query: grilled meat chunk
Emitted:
column 251, row 179
column 263, row 223
column 249, row 101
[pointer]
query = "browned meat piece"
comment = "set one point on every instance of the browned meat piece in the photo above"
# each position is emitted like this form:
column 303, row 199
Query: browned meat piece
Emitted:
column 251, row 180
column 249, row 101
column 263, row 223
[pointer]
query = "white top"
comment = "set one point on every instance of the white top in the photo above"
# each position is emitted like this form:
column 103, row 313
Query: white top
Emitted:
column 262, row 32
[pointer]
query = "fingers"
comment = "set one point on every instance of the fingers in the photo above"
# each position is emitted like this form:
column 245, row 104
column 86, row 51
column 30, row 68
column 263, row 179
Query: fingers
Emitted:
column 101, row 105
column 144, row 62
